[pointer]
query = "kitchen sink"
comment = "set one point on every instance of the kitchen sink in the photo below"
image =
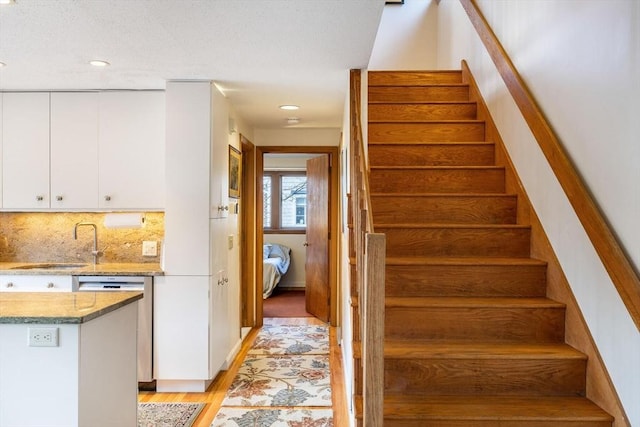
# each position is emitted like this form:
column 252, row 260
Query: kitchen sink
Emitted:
column 49, row 266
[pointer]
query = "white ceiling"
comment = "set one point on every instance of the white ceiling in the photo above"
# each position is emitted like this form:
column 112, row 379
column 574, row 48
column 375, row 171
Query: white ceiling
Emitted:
column 263, row 53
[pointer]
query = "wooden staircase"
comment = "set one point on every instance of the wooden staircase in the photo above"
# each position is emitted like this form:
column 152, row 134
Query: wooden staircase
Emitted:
column 470, row 337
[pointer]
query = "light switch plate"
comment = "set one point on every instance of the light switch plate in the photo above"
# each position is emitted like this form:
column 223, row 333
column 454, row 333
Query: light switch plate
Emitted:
column 149, row 248
column 230, row 241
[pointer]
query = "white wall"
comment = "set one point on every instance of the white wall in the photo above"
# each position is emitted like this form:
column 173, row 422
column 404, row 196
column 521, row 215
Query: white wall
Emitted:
column 345, row 320
column 406, row 38
column 297, row 137
column 581, row 61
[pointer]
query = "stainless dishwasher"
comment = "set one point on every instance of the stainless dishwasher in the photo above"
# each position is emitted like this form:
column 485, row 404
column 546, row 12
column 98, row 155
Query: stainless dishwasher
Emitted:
column 145, row 311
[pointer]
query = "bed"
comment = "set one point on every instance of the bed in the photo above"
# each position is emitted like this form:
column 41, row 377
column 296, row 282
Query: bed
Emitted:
column 276, row 260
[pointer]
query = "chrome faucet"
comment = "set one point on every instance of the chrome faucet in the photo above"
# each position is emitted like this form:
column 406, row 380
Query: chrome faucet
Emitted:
column 95, row 251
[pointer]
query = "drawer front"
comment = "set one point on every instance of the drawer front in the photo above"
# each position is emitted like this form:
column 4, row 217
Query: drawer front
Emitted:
column 39, row 283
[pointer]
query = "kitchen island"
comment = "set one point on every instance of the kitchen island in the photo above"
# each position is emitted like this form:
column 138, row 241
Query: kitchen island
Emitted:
column 68, row 359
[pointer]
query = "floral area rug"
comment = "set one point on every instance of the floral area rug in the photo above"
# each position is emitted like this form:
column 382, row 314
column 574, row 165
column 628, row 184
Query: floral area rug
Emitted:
column 299, row 380
column 168, row 414
column 284, row 381
column 291, row 339
column 286, row 417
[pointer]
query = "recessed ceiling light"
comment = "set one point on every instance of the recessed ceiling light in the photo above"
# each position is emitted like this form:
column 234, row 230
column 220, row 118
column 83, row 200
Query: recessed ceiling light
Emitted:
column 7, row 1
column 289, row 107
column 98, row 63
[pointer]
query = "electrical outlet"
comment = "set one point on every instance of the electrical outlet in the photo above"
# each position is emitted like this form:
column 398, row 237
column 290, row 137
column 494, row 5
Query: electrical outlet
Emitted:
column 149, row 248
column 230, row 241
column 43, row 337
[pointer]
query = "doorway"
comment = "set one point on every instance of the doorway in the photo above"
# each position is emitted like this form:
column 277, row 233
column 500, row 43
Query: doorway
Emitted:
column 332, row 181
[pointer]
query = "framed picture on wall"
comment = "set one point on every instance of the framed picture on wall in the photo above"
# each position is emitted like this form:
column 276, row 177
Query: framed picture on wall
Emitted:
column 235, row 172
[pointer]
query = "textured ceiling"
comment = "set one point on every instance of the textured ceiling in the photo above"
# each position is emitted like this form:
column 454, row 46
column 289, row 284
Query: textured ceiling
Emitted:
column 263, row 53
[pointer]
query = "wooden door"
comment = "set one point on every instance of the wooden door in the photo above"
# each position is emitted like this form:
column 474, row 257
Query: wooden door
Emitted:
column 317, row 259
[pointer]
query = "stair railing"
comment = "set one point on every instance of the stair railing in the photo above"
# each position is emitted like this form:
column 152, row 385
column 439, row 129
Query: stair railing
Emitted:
column 615, row 260
column 370, row 250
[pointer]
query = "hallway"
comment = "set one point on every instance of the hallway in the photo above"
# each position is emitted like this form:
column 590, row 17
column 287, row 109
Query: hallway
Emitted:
column 214, row 396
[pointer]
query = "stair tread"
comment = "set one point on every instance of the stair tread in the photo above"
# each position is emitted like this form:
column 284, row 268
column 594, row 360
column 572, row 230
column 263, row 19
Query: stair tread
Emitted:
column 372, row 167
column 430, row 121
column 465, row 195
column 391, row 260
column 378, row 143
column 415, row 349
column 409, row 86
column 458, row 350
column 417, row 103
column 470, row 408
column 471, row 302
column 376, row 226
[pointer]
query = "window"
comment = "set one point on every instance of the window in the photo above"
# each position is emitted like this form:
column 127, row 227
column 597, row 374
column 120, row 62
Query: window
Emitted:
column 285, row 201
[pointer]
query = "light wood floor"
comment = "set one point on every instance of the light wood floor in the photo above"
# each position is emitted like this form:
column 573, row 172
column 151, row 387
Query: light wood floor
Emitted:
column 215, row 394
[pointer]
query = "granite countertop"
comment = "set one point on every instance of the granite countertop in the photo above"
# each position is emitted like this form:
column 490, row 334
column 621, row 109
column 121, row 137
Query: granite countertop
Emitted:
column 60, row 307
column 85, row 269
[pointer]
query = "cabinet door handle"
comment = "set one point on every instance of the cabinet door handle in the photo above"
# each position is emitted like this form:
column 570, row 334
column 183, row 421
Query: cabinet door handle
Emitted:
column 59, row 198
column 107, row 198
column 39, row 198
column 10, row 285
column 51, row 285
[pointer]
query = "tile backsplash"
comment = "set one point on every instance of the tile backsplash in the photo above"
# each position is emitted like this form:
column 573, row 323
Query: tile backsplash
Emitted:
column 48, row 237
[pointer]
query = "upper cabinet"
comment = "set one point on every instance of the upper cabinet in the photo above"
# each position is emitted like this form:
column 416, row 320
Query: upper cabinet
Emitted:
column 74, row 150
column 0, row 151
column 25, row 153
column 83, row 150
column 197, row 152
column 131, row 162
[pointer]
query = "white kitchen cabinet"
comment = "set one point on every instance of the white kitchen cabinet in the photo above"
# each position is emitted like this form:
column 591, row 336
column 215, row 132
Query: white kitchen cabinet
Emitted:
column 132, row 150
column 190, row 341
column 192, row 329
column 74, row 150
column 82, row 150
column 35, row 283
column 0, row 150
column 25, row 151
column 196, row 170
column 219, row 187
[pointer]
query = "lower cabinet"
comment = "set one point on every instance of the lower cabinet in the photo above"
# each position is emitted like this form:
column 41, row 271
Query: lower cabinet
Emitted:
column 35, row 283
column 191, row 332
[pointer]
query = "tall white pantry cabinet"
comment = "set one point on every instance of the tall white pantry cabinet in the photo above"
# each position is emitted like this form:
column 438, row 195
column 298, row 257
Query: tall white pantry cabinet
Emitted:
column 192, row 331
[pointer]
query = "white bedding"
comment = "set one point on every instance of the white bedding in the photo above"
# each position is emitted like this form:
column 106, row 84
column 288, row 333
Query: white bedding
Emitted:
column 275, row 264
column 270, row 276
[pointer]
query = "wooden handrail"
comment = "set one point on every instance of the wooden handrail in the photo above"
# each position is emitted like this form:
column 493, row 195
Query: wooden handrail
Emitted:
column 370, row 269
column 615, row 260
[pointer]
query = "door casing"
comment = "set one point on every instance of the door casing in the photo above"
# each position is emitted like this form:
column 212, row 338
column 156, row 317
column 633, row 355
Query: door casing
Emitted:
column 334, row 180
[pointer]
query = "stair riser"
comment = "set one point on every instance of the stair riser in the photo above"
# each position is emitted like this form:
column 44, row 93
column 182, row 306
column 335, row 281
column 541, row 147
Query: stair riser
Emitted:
column 437, row 180
column 495, row 324
column 432, row 155
column 422, row 112
column 408, row 78
column 467, row 281
column 457, row 242
column 418, row 94
column 444, row 210
column 490, row 377
column 426, row 132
